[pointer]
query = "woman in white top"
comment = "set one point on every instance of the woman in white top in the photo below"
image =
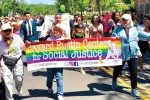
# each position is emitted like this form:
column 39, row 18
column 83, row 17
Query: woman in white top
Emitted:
column 143, row 43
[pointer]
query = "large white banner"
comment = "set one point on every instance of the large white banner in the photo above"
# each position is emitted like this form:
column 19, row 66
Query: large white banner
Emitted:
column 50, row 19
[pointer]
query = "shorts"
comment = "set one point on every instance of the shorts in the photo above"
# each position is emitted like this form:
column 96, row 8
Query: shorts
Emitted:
column 143, row 46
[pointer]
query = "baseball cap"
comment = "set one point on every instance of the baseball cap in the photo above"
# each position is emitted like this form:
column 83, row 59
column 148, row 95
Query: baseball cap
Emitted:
column 6, row 26
column 126, row 16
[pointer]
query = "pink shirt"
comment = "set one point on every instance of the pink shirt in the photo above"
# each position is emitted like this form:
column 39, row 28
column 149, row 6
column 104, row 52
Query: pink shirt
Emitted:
column 96, row 32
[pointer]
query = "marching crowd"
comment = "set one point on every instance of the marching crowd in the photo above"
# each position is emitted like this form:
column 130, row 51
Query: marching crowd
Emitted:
column 19, row 32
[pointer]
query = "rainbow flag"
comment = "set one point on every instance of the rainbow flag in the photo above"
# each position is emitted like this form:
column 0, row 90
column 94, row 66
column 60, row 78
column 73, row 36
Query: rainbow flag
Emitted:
column 110, row 23
column 74, row 53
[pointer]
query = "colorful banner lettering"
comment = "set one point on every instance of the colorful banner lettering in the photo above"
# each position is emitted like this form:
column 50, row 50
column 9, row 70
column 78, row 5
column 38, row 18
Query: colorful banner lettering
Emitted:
column 74, row 53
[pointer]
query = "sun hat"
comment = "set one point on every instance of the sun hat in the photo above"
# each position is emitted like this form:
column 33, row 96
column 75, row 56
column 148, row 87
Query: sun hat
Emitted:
column 126, row 16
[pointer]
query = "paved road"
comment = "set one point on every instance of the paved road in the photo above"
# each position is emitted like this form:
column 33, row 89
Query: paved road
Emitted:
column 95, row 85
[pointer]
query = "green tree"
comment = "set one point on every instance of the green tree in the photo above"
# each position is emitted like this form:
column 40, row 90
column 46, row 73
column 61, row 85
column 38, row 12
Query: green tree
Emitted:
column 6, row 6
column 127, row 1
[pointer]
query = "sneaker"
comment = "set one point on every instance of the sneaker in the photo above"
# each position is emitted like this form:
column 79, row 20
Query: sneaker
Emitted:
column 141, row 70
column 135, row 94
column 114, row 85
column 19, row 93
column 82, row 71
column 60, row 97
column 54, row 80
column 50, row 91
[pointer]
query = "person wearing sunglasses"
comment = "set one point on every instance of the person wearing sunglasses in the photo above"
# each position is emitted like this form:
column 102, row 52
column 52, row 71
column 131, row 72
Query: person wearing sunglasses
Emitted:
column 128, row 36
column 11, row 46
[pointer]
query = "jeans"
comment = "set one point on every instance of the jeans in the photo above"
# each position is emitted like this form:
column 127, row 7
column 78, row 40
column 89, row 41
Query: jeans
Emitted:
column 132, row 63
column 58, row 73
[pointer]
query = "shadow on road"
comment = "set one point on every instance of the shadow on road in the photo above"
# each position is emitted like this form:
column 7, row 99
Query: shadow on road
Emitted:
column 43, row 93
column 40, row 73
column 82, row 93
column 36, row 93
column 98, row 72
column 104, row 87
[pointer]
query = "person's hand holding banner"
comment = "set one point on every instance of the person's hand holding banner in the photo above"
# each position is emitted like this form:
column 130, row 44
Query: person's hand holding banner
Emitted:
column 74, row 53
column 27, row 43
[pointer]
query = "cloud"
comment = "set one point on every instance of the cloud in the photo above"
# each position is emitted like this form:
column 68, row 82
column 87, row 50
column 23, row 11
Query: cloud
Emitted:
column 28, row 0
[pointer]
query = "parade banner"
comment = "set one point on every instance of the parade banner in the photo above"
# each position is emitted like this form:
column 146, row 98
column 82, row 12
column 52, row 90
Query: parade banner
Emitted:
column 50, row 20
column 74, row 53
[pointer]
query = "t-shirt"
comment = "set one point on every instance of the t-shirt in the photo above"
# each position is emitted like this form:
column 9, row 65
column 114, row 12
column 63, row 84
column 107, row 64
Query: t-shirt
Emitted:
column 79, row 31
column 14, row 51
column 142, row 27
column 96, row 32
column 51, row 38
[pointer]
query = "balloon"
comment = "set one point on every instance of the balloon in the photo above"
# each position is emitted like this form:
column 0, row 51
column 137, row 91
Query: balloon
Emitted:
column 62, row 8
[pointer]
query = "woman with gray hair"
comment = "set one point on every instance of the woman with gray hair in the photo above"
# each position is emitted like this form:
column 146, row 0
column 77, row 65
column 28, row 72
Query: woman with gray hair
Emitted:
column 128, row 36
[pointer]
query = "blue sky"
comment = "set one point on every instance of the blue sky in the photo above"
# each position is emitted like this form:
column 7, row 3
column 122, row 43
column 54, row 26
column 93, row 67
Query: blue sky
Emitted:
column 41, row 1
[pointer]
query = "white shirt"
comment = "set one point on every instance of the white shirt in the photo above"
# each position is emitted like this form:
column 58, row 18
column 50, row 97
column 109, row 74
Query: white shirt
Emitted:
column 15, row 49
column 41, row 31
column 142, row 27
column 28, row 27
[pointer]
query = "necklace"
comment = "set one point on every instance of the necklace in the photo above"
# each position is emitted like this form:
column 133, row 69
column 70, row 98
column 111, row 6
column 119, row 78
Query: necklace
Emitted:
column 9, row 40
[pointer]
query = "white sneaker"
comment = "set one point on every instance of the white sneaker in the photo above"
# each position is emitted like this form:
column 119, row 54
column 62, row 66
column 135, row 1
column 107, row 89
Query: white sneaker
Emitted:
column 54, row 80
column 20, row 93
column 60, row 97
column 82, row 71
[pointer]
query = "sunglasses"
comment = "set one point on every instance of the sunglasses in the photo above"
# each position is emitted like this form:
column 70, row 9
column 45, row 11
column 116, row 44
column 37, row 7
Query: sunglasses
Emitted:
column 8, row 30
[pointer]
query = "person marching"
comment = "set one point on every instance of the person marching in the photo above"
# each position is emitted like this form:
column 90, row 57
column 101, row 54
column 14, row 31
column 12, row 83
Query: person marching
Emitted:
column 143, row 43
column 128, row 36
column 57, row 32
column 79, row 32
column 11, row 46
column 28, row 29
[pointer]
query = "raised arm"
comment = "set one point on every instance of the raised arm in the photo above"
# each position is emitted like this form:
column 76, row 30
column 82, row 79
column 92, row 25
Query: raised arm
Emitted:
column 143, row 34
column 40, row 23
